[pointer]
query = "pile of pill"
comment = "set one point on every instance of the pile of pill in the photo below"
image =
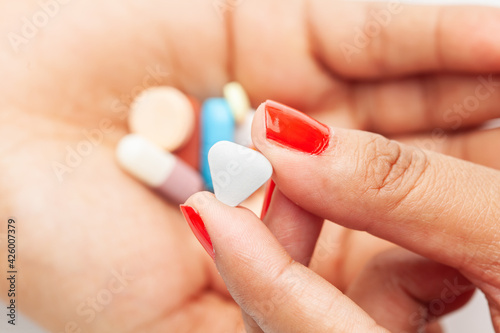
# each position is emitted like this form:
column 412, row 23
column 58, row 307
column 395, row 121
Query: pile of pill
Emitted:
column 163, row 120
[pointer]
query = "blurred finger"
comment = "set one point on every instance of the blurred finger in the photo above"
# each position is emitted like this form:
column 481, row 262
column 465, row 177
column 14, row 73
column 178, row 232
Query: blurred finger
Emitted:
column 427, row 102
column 341, row 253
column 367, row 39
column 416, row 291
column 479, row 146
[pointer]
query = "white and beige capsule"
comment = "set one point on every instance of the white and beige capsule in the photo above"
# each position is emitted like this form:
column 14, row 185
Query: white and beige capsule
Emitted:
column 170, row 176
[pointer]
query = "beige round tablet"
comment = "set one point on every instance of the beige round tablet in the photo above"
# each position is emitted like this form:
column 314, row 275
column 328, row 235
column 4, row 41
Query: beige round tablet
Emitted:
column 164, row 115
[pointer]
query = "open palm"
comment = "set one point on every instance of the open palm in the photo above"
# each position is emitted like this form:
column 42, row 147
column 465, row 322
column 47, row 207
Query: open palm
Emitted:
column 99, row 251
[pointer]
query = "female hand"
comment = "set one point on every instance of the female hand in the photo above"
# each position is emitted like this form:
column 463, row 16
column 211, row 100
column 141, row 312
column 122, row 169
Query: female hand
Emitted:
column 443, row 208
column 88, row 231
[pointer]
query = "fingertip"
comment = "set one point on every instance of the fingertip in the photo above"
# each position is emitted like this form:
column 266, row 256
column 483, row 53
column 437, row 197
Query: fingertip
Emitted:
column 195, row 221
column 232, row 230
column 200, row 200
column 259, row 127
column 271, row 185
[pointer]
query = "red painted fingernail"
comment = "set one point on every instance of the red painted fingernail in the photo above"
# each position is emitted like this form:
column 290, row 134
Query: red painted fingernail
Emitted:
column 198, row 227
column 295, row 130
column 267, row 198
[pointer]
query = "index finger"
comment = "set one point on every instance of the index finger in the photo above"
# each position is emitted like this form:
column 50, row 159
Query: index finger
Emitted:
column 280, row 294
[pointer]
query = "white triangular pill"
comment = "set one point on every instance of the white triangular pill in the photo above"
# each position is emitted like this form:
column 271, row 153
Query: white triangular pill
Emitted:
column 237, row 171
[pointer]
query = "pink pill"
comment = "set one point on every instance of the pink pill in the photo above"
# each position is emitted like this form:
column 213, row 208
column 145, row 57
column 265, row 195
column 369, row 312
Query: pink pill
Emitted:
column 161, row 170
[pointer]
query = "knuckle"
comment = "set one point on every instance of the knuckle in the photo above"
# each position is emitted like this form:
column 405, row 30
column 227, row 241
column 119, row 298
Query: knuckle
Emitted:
column 289, row 280
column 283, row 286
column 391, row 170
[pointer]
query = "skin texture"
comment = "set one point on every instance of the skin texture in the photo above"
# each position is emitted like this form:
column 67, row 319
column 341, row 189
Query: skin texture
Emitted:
column 86, row 65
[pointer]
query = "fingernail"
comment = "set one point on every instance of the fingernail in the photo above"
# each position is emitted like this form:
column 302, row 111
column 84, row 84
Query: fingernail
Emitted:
column 295, row 130
column 267, row 198
column 198, row 227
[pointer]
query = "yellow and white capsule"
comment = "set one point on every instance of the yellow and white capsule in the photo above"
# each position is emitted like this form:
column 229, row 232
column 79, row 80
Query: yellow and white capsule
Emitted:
column 238, row 100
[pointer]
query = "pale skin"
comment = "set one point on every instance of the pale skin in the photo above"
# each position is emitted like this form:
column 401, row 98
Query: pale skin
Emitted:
column 75, row 236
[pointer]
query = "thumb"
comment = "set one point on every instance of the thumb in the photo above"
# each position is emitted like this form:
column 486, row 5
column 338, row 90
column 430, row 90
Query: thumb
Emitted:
column 280, row 294
column 440, row 207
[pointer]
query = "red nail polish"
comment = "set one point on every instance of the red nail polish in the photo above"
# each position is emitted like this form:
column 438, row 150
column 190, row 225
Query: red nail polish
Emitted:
column 295, row 130
column 198, row 227
column 267, row 198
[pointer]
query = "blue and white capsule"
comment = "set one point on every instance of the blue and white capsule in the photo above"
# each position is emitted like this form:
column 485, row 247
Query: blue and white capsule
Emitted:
column 217, row 124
